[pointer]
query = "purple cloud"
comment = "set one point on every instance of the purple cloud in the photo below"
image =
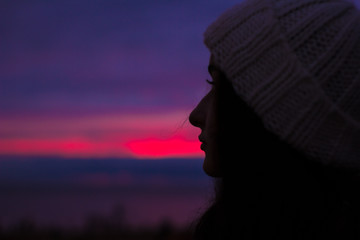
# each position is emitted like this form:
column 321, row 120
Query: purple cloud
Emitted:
column 102, row 56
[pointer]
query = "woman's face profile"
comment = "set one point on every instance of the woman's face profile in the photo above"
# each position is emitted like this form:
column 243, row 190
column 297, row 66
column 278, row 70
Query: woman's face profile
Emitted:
column 228, row 126
column 205, row 117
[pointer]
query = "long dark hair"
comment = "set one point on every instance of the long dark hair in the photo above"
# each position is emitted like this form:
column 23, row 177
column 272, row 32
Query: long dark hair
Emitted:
column 269, row 190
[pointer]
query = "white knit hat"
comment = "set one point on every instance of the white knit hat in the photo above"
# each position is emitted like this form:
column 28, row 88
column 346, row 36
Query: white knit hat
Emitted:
column 297, row 64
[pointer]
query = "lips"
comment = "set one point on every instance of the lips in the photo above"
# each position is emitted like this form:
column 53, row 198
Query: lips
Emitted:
column 203, row 143
column 201, row 138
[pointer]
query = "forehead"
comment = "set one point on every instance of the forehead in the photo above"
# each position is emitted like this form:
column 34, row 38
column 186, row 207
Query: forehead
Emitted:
column 212, row 61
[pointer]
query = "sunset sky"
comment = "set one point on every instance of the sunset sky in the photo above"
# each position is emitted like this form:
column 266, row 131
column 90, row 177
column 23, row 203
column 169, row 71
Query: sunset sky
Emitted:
column 114, row 78
column 90, row 91
column 102, row 78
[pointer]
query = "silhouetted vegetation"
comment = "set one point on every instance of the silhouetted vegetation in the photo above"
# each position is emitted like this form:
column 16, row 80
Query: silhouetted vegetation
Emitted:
column 96, row 227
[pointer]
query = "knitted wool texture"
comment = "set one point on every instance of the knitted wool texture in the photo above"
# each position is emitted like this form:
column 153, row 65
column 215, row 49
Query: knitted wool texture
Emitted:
column 297, row 64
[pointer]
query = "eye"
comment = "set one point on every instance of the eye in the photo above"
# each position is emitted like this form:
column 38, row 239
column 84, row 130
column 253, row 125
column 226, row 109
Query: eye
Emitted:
column 210, row 82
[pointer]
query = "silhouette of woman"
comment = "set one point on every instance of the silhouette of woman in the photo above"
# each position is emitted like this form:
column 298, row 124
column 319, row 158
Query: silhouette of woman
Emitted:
column 281, row 123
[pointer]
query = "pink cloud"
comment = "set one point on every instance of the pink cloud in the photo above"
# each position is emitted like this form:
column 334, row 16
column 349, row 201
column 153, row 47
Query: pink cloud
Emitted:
column 173, row 147
column 137, row 135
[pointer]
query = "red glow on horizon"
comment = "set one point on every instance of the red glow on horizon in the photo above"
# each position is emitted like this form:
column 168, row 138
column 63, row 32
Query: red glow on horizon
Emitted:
column 73, row 147
column 126, row 135
column 157, row 148
column 144, row 148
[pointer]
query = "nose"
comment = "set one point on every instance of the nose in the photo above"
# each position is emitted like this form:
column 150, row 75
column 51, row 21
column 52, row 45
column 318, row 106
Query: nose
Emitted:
column 198, row 115
column 194, row 118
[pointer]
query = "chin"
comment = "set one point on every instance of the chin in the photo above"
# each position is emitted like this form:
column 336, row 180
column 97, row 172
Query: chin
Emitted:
column 210, row 168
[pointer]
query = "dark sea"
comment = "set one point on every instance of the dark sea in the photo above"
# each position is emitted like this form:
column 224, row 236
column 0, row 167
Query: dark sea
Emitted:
column 75, row 193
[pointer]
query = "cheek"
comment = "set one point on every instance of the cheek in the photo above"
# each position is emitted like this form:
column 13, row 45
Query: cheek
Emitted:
column 211, row 123
column 212, row 131
column 212, row 163
column 212, row 154
column 212, row 115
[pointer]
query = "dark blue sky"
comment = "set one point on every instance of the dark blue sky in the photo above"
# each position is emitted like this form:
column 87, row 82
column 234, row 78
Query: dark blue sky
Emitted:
column 102, row 56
